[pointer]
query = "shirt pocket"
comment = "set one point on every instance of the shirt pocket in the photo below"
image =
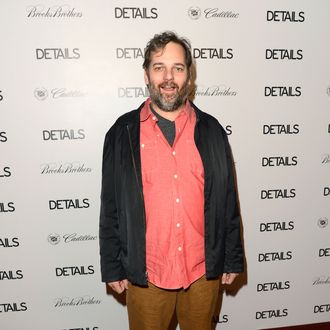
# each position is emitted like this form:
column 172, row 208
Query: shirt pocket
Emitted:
column 149, row 158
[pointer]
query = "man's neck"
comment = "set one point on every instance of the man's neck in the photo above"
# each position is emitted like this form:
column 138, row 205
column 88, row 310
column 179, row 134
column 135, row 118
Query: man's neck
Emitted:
column 169, row 115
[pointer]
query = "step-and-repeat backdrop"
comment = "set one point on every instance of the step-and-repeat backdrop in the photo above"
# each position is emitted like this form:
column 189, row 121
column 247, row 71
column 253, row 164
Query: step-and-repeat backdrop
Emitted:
column 69, row 69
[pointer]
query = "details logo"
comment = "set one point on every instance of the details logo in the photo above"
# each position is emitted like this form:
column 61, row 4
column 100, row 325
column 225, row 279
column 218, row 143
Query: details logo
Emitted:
column 130, row 92
column 282, row 91
column 67, row 204
column 195, row 13
column 1, row 96
column 325, row 252
column 281, row 129
column 5, row 172
column 3, row 136
column 279, row 161
column 284, row 54
column 220, row 319
column 285, row 16
column 129, row 53
column 322, row 308
column 74, row 270
column 57, row 54
column 272, row 314
column 85, row 328
column 276, row 226
column 63, row 134
column 136, row 13
column 11, row 275
column 13, row 307
column 213, row 53
column 7, row 207
column 9, row 242
column 273, row 286
column 278, row 193
column 275, row 256
column 64, row 11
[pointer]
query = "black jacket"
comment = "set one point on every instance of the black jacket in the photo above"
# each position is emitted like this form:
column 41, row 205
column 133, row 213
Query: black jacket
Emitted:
column 122, row 219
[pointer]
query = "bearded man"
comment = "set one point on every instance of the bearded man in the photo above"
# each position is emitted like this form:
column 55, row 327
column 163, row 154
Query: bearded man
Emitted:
column 170, row 222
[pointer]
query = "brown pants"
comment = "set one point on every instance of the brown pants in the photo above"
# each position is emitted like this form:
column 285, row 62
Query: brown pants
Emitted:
column 152, row 308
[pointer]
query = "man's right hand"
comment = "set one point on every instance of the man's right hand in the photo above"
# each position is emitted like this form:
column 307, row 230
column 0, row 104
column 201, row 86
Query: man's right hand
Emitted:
column 119, row 286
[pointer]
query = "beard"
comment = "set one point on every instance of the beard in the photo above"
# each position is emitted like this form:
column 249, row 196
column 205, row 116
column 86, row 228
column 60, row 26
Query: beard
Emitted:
column 172, row 102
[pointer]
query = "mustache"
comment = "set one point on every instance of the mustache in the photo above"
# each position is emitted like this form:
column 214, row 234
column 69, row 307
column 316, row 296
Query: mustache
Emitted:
column 168, row 85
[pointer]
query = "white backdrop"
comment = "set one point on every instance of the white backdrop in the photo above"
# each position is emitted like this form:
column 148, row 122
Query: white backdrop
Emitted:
column 68, row 70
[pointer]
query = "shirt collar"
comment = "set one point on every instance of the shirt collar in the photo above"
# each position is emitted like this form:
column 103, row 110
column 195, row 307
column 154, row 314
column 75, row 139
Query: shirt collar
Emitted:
column 146, row 111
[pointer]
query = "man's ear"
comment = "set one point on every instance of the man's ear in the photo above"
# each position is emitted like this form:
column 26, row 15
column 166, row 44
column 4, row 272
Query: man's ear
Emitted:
column 146, row 79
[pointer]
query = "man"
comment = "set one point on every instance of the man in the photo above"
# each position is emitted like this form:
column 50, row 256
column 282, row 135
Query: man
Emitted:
column 169, row 224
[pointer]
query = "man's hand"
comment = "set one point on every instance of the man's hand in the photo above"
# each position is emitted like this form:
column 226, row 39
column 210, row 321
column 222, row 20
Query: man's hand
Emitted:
column 228, row 278
column 119, row 286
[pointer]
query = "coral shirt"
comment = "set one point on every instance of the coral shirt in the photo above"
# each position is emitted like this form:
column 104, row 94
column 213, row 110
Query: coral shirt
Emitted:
column 173, row 188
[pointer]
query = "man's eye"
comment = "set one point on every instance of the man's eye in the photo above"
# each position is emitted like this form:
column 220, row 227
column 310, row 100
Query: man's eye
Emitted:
column 158, row 68
column 179, row 69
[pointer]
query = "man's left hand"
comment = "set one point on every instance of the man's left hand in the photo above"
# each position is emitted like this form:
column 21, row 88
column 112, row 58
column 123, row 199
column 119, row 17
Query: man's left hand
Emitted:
column 228, row 278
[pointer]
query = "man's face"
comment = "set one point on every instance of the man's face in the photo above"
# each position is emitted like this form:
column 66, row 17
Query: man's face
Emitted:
column 168, row 78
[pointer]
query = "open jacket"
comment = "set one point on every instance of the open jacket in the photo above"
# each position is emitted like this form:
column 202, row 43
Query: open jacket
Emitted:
column 122, row 219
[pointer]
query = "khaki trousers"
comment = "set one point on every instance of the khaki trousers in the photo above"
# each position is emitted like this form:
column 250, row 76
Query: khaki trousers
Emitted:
column 152, row 308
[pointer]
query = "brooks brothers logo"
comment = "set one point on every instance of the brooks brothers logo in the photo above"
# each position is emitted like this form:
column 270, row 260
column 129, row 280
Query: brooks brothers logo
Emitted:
column 5, row 172
column 321, row 280
column 215, row 90
column 7, row 207
column 324, row 252
column 322, row 222
column 57, row 54
column 63, row 134
column 290, row 129
column 76, row 301
column 284, row 54
column 282, row 91
column 3, row 137
column 274, row 313
column 278, row 193
column 6, row 242
column 285, row 16
column 42, row 94
column 275, row 256
column 276, row 226
column 324, row 308
column 131, row 92
column 273, row 286
column 279, row 161
column 65, row 168
column 58, row 11
column 13, row 307
column 195, row 13
column 136, row 13
column 11, row 275
column 213, row 53
column 68, row 204
column 129, row 53
column 74, row 270
column 55, row 239
column 325, row 159
column 220, row 318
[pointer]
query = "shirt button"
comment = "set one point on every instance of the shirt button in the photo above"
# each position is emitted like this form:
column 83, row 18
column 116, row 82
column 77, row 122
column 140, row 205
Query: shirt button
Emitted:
column 175, row 176
column 142, row 145
column 178, row 200
column 180, row 248
column 178, row 224
column 153, row 118
column 173, row 153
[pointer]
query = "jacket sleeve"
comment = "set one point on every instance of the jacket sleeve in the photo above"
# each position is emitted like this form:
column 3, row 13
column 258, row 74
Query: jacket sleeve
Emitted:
column 233, row 246
column 109, row 237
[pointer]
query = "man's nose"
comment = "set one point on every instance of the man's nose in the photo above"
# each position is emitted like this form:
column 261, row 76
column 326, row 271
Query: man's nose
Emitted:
column 168, row 74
